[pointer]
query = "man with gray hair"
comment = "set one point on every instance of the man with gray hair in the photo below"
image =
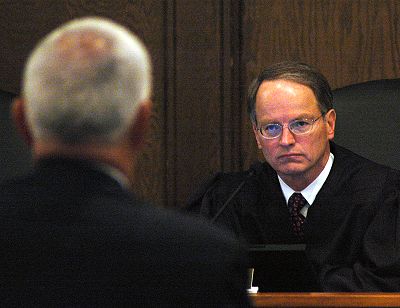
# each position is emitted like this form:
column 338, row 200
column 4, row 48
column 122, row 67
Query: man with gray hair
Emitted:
column 72, row 232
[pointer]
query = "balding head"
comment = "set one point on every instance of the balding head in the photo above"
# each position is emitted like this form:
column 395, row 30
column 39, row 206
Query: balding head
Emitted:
column 84, row 82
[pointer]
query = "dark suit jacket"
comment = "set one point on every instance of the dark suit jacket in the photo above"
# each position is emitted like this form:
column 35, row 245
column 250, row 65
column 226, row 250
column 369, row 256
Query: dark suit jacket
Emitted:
column 352, row 230
column 70, row 235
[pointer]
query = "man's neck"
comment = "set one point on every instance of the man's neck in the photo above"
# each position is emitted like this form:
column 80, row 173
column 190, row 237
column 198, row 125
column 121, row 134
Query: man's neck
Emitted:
column 114, row 156
column 300, row 182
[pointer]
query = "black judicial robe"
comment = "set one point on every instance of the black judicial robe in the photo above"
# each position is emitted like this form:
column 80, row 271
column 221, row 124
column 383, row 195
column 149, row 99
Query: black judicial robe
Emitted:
column 352, row 230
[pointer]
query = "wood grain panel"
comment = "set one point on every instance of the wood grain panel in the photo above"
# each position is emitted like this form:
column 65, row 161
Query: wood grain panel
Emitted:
column 170, row 104
column 23, row 24
column 350, row 41
column 198, row 93
column 230, row 82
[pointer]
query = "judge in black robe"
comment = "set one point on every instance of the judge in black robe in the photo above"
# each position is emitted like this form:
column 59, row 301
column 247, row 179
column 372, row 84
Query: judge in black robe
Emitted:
column 352, row 230
column 352, row 216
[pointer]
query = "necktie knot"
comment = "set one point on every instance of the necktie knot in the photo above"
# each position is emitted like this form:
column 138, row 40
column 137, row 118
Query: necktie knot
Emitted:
column 295, row 204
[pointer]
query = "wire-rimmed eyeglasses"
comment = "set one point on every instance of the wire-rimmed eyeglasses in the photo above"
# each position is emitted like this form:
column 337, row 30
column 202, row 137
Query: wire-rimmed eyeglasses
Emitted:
column 297, row 127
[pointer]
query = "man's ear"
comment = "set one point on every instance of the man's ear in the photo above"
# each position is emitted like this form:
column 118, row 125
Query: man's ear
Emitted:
column 330, row 119
column 255, row 131
column 20, row 121
column 138, row 129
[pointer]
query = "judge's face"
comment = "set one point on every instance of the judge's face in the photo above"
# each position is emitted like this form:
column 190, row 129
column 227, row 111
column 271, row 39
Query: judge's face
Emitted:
column 298, row 159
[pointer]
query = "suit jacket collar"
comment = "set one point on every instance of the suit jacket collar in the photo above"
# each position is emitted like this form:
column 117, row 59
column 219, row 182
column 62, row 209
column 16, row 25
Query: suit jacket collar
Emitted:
column 77, row 173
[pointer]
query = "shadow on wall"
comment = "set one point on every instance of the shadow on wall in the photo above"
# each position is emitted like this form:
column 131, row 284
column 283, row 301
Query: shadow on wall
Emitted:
column 15, row 156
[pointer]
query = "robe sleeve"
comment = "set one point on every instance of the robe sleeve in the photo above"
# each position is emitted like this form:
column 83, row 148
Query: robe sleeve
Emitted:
column 211, row 197
column 199, row 202
column 378, row 267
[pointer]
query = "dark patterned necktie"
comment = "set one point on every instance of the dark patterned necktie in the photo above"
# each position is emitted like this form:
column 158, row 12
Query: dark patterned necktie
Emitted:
column 295, row 204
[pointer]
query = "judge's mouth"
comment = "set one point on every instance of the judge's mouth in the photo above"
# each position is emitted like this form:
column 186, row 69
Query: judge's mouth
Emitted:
column 290, row 156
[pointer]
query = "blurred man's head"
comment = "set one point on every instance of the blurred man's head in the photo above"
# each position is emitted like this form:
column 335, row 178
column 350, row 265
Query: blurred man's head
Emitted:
column 84, row 82
column 84, row 85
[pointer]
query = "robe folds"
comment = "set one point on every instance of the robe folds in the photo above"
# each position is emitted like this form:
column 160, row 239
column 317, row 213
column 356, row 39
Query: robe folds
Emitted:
column 352, row 229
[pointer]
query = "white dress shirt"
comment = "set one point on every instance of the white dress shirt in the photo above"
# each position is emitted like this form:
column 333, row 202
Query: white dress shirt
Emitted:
column 310, row 192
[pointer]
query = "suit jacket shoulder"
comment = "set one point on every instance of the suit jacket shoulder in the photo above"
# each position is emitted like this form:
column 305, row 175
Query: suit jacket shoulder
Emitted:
column 72, row 235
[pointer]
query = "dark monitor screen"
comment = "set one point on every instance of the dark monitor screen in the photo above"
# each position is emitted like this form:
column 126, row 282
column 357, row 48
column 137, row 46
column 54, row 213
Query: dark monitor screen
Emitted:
column 282, row 268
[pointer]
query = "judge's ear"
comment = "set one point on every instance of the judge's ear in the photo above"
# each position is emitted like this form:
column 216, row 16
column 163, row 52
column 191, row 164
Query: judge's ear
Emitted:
column 138, row 129
column 256, row 134
column 20, row 121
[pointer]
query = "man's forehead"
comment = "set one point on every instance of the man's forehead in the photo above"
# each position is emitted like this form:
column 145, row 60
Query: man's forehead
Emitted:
column 278, row 92
column 280, row 86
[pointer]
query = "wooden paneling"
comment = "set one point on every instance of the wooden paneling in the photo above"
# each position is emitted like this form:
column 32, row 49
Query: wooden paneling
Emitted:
column 22, row 25
column 230, row 83
column 203, row 116
column 198, row 95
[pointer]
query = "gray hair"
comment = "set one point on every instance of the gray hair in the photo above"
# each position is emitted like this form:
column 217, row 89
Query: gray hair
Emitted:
column 297, row 72
column 84, row 82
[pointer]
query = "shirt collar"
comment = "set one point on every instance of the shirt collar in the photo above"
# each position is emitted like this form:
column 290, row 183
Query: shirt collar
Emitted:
column 311, row 191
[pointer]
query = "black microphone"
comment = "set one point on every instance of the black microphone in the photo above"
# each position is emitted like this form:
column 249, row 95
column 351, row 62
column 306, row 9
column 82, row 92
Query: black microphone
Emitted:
column 253, row 170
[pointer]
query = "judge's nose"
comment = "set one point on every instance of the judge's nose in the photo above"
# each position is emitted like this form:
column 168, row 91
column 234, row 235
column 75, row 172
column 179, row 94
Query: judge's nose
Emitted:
column 287, row 137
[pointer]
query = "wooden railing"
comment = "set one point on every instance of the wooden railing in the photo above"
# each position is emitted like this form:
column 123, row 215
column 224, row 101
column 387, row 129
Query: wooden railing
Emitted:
column 326, row 299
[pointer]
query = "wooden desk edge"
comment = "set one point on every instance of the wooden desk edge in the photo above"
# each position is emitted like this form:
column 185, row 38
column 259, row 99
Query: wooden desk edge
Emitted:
column 326, row 299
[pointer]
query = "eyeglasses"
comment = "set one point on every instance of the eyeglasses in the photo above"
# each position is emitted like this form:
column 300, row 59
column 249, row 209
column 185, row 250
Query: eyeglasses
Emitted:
column 297, row 127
